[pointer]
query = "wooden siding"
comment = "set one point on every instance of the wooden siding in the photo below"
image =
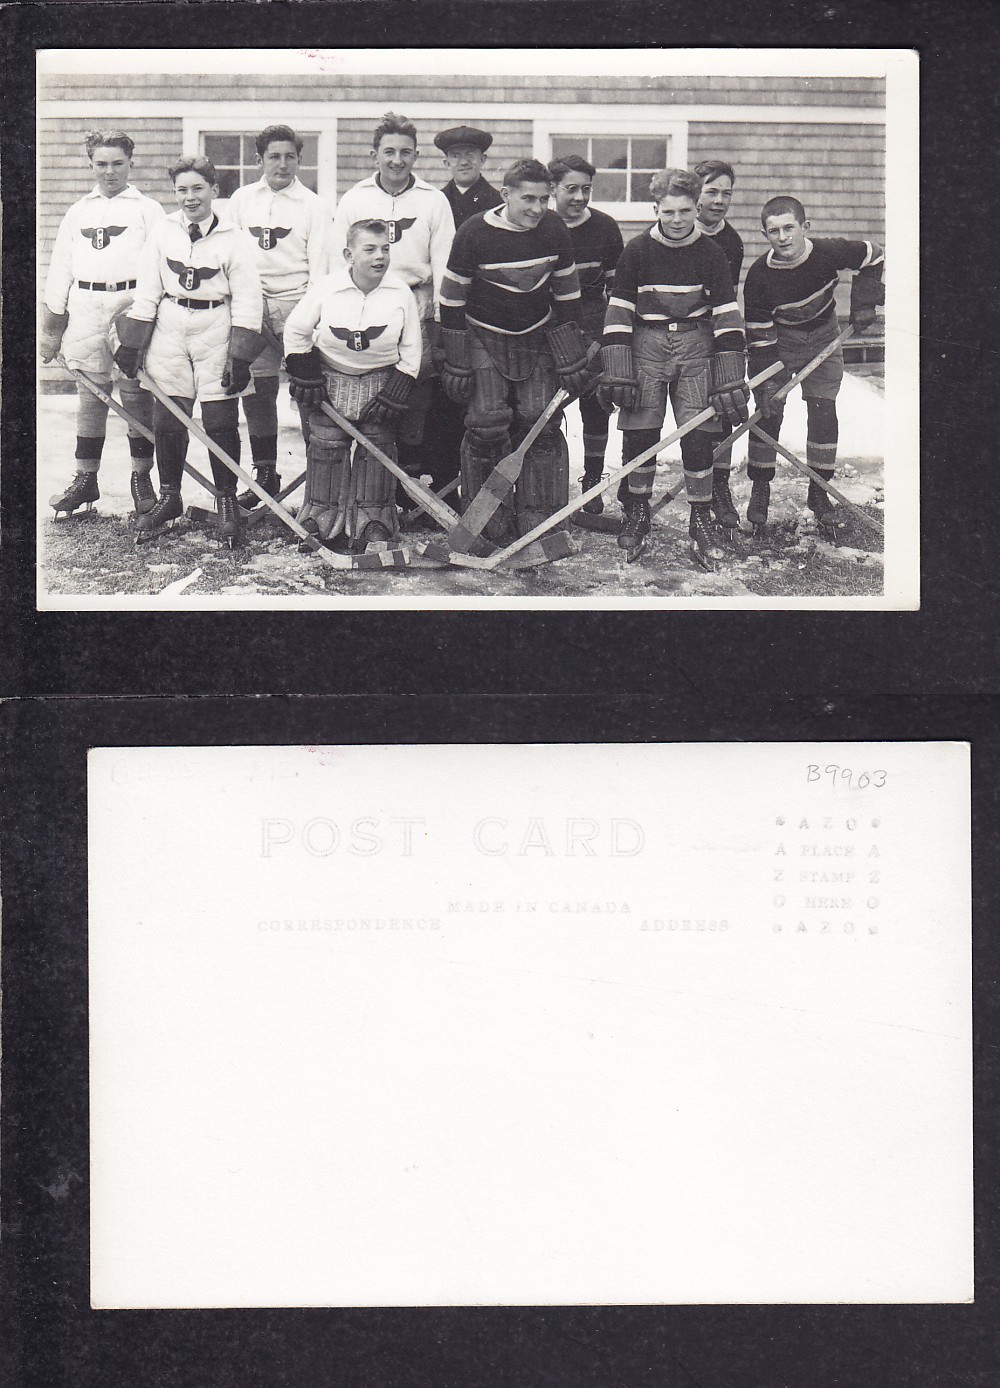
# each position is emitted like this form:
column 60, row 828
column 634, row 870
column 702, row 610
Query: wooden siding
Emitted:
column 511, row 140
column 396, row 91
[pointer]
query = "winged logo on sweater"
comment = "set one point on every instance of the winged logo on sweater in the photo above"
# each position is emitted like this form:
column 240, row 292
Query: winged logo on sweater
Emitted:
column 268, row 237
column 397, row 228
column 100, row 237
column 191, row 276
column 358, row 339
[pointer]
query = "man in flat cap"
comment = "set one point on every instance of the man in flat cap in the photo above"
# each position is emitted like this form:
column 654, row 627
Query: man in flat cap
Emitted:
column 464, row 149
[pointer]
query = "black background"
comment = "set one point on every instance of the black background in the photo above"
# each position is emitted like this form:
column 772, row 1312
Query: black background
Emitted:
column 223, row 678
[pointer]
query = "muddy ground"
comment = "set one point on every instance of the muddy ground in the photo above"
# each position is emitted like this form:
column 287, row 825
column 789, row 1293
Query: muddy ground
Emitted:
column 94, row 559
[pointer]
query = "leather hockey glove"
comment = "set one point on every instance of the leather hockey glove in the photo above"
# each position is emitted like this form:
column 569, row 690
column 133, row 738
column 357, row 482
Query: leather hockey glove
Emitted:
column 457, row 379
column 244, row 346
column 867, row 291
column 620, row 387
column 390, row 403
column 306, row 385
column 763, row 395
column 133, row 339
column 569, row 351
column 51, row 334
column 728, row 392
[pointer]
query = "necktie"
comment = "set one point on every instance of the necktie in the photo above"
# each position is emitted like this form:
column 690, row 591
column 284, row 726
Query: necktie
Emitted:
column 194, row 231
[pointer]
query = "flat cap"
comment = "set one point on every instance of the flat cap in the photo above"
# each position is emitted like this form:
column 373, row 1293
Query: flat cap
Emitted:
column 463, row 135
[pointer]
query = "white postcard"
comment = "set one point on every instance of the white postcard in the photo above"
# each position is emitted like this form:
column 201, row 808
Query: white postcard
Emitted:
column 535, row 1024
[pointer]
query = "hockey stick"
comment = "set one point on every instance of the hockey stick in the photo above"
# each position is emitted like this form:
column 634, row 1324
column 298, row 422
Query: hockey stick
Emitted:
column 410, row 517
column 498, row 486
column 875, row 526
column 613, row 478
column 335, row 561
column 782, row 391
column 136, row 424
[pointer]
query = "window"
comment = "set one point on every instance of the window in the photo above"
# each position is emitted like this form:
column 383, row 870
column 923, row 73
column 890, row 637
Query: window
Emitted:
column 233, row 153
column 624, row 163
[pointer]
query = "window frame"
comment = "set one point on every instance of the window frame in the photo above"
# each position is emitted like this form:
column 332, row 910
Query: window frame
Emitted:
column 600, row 126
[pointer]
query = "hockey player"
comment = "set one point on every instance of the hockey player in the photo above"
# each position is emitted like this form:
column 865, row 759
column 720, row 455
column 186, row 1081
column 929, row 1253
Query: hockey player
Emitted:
column 289, row 227
column 196, row 319
column 673, row 330
column 791, row 316
column 464, row 149
column 91, row 278
column 511, row 338
column 717, row 181
column 421, row 229
column 354, row 338
column 597, row 246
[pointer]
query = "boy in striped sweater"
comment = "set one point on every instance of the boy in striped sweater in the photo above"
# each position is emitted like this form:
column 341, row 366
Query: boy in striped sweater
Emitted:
column 673, row 331
column 791, row 316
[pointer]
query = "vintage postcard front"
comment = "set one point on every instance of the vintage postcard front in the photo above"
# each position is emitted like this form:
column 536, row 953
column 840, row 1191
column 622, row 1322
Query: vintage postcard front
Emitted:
column 535, row 1024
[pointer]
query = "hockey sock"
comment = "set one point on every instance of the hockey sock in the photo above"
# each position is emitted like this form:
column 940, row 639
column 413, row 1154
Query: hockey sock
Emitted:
column 264, row 448
column 88, row 453
column 261, row 409
column 724, row 462
column 221, row 421
column 760, row 455
column 634, row 442
column 141, row 451
column 91, row 413
column 822, row 432
column 696, row 454
column 171, row 450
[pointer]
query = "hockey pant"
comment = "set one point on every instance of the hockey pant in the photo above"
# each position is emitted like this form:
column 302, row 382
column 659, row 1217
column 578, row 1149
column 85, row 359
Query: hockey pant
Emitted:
column 674, row 367
column 220, row 419
column 345, row 494
column 260, row 409
column 822, row 431
column 514, row 381
column 188, row 351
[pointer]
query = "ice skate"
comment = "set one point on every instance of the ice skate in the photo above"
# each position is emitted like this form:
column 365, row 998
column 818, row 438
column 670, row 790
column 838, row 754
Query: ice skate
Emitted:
column 267, row 477
column 230, row 524
column 82, row 491
column 704, row 551
column 152, row 524
column 590, row 478
column 828, row 516
column 634, row 537
column 726, row 515
column 760, row 500
column 143, row 493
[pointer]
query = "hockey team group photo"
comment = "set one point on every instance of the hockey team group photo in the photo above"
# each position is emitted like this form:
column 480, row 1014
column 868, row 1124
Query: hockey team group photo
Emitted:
column 319, row 335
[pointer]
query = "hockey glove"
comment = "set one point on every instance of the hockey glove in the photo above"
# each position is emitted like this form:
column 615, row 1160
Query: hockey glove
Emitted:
column 390, row 403
column 245, row 346
column 306, row 385
column 133, row 338
column 457, row 377
column 569, row 351
column 620, row 387
column 763, row 394
column 728, row 392
column 51, row 335
column 866, row 292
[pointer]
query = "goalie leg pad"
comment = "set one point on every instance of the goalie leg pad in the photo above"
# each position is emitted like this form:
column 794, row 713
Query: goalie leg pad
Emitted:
column 474, row 468
column 543, row 486
column 328, row 472
column 372, row 493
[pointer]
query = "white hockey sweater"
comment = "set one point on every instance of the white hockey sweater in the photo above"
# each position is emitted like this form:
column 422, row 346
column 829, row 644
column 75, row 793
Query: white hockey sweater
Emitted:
column 289, row 230
column 100, row 240
column 354, row 331
column 421, row 230
column 218, row 266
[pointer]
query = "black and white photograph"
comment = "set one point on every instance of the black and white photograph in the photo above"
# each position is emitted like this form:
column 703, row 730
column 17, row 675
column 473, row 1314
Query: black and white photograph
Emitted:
column 467, row 329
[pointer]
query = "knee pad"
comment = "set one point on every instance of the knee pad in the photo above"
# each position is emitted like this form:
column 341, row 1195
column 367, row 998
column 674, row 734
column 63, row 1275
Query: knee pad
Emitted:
column 323, row 431
column 543, row 486
column 488, row 431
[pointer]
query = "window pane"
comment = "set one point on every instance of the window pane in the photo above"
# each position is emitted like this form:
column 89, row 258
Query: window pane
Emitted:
column 565, row 144
column 649, row 154
column 249, row 149
column 310, row 149
column 229, row 181
column 640, row 187
column 609, row 187
column 223, row 149
column 610, row 154
column 308, row 177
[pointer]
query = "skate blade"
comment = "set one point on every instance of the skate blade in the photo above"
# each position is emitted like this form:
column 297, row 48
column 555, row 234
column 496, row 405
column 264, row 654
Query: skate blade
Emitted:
column 707, row 562
column 632, row 553
column 86, row 508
